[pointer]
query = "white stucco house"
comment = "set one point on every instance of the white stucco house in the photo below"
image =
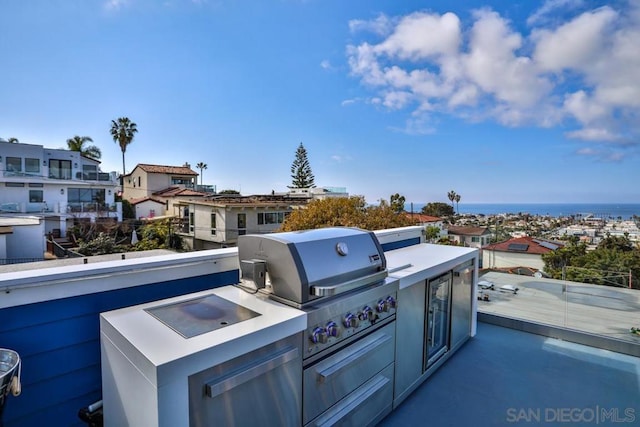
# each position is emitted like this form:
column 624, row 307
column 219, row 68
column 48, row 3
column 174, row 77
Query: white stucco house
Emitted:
column 60, row 186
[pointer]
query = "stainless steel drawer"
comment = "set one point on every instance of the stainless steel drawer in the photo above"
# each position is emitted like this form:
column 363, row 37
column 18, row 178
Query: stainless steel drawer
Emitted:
column 366, row 406
column 333, row 378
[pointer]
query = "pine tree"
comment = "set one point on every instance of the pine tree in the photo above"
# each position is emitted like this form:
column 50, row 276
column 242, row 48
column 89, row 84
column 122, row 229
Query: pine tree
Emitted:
column 301, row 174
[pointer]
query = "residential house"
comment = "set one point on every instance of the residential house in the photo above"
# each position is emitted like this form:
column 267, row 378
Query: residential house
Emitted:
column 518, row 252
column 474, row 237
column 318, row 192
column 62, row 186
column 153, row 189
column 217, row 221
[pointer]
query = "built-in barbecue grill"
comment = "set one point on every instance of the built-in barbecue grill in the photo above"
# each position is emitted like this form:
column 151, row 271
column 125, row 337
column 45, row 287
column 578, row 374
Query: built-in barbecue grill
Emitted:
column 339, row 277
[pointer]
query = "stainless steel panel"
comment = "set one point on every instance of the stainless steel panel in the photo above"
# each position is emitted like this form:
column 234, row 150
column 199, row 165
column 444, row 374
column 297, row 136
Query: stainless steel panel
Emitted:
column 366, row 406
column 265, row 384
column 409, row 337
column 462, row 291
column 333, row 378
column 200, row 315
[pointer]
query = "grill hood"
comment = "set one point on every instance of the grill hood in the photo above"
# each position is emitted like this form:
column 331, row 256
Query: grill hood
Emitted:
column 302, row 266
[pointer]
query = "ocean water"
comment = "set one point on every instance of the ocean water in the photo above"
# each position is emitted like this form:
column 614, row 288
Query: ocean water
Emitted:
column 603, row 210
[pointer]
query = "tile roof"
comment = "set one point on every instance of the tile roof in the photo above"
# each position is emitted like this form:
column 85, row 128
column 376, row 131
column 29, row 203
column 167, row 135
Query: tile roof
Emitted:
column 146, row 199
column 177, row 170
column 468, row 231
column 423, row 218
column 179, row 191
column 527, row 244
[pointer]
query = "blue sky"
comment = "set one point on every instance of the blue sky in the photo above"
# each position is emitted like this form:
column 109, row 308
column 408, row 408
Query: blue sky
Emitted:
column 501, row 101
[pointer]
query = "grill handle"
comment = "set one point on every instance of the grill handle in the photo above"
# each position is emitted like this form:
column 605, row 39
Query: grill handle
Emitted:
column 324, row 291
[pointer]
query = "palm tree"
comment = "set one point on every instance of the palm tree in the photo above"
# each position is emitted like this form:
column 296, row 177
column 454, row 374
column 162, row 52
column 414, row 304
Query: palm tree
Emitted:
column 123, row 131
column 457, row 199
column 201, row 166
column 451, row 195
column 77, row 143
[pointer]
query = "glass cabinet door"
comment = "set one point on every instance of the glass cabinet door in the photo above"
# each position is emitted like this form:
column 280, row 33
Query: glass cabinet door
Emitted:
column 437, row 318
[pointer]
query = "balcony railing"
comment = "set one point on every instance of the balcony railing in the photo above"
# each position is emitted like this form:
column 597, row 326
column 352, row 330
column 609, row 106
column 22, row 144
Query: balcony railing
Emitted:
column 57, row 208
column 79, row 176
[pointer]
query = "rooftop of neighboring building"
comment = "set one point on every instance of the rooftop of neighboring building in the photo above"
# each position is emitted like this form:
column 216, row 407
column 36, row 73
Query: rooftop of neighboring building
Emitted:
column 525, row 244
column 468, row 231
column 173, row 170
column 175, row 191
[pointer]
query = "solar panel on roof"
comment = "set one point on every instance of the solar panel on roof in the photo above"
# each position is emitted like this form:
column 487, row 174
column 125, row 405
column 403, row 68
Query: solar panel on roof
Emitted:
column 549, row 245
column 521, row 247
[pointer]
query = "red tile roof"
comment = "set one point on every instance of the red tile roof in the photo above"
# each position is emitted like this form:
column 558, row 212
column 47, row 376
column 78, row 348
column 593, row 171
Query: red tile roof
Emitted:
column 468, row 231
column 179, row 191
column 533, row 245
column 145, row 199
column 423, row 218
column 176, row 170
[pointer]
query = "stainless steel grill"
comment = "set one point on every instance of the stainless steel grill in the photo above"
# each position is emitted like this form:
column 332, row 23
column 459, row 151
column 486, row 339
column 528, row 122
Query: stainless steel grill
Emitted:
column 339, row 277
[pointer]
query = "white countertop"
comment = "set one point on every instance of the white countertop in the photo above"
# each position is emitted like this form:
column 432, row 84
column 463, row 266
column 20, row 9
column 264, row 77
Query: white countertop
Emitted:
column 163, row 355
column 415, row 263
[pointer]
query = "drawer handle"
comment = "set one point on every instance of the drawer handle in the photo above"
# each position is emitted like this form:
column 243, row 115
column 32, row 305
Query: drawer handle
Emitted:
column 341, row 411
column 227, row 383
column 356, row 354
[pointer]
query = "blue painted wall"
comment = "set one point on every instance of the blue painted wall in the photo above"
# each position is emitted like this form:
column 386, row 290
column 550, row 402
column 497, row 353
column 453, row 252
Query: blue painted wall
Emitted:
column 59, row 344
column 400, row 244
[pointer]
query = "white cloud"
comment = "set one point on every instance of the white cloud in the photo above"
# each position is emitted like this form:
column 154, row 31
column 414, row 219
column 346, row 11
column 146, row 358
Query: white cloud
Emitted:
column 325, row 64
column 545, row 13
column 580, row 73
column 381, row 25
column 576, row 44
column 421, row 35
column 593, row 134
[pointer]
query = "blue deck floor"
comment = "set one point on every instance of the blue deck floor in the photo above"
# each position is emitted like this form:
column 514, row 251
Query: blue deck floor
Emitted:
column 505, row 377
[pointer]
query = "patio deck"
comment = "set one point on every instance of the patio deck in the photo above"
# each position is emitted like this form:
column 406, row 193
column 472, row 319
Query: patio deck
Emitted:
column 507, row 377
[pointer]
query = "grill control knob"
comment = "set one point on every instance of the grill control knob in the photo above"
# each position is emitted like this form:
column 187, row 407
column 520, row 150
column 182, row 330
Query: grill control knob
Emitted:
column 318, row 336
column 392, row 302
column 367, row 313
column 351, row 321
column 383, row 305
column 333, row 330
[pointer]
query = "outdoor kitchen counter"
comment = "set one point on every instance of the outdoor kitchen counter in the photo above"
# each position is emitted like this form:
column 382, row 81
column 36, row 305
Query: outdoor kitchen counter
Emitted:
column 420, row 262
column 163, row 356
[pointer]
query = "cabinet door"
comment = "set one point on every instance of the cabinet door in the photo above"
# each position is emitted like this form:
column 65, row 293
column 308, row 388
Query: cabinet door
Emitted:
column 438, row 313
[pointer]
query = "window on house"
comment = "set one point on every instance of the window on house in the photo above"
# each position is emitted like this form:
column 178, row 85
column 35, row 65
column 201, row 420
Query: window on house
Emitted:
column 14, row 184
column 36, row 185
column 242, row 224
column 36, row 196
column 60, row 169
column 192, row 221
column 271, row 217
column 32, row 165
column 475, row 239
column 213, row 224
column 90, row 172
column 14, row 164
